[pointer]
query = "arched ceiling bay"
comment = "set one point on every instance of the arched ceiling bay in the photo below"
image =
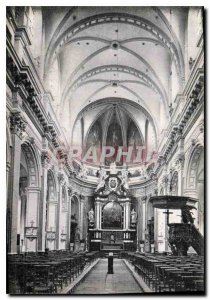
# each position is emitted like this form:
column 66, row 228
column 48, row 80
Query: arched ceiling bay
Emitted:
column 115, row 52
column 103, row 110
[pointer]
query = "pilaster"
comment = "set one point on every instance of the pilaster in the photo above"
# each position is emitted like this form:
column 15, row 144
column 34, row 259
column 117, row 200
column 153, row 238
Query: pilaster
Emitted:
column 17, row 127
column 59, row 210
column 43, row 202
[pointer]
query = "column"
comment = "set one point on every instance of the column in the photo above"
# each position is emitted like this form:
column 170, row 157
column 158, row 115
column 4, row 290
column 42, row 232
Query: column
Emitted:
column 97, row 213
column 165, row 184
column 124, row 219
column 42, row 204
column 85, row 218
column 127, row 215
column 180, row 162
column 59, row 210
column 156, row 228
column 100, row 214
column 17, row 126
column 82, row 202
column 139, row 218
column 8, row 165
column 69, row 220
column 143, row 216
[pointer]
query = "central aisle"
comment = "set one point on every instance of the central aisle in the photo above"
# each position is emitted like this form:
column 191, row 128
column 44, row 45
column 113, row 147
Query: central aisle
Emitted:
column 99, row 282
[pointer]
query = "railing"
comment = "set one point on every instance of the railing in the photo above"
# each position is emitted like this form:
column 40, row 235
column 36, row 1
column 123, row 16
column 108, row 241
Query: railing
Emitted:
column 118, row 235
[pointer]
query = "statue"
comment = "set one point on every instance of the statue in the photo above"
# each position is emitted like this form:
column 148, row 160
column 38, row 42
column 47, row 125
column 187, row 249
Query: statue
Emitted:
column 186, row 215
column 113, row 169
column 133, row 216
column 83, row 171
column 102, row 177
column 102, row 172
column 114, row 138
column 91, row 216
column 147, row 241
column 124, row 177
column 77, row 240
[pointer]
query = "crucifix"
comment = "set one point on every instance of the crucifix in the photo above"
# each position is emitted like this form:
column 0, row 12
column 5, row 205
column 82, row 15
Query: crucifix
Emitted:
column 167, row 213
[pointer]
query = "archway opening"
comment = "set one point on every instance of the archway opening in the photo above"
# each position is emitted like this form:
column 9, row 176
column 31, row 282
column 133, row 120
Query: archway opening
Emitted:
column 74, row 220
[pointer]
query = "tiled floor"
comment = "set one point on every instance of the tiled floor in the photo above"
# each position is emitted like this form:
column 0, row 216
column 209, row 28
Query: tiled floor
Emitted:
column 99, row 282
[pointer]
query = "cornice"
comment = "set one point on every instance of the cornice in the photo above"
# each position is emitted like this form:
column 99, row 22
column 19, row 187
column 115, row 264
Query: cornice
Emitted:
column 193, row 103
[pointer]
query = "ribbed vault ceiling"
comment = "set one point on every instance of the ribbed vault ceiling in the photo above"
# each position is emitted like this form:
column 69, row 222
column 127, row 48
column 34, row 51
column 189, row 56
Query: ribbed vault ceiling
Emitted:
column 119, row 52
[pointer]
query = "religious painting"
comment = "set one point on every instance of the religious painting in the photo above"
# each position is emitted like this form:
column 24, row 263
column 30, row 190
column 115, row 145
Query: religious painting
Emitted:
column 94, row 136
column 112, row 216
column 133, row 139
column 114, row 139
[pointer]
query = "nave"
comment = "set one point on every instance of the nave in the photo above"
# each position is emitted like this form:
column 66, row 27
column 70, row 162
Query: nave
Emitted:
column 88, row 273
column 105, row 122
column 99, row 282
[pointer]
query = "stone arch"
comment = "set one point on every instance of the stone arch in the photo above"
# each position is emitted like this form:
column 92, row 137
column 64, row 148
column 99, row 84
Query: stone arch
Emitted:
column 51, row 184
column 195, row 183
column 32, row 164
column 75, row 217
column 8, row 154
column 174, row 184
column 124, row 102
column 194, row 159
column 29, row 198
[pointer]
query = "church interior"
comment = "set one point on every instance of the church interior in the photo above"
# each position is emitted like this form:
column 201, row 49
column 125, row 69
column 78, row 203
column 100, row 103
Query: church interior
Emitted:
column 105, row 150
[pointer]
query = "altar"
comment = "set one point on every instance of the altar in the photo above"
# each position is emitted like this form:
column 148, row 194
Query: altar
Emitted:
column 112, row 223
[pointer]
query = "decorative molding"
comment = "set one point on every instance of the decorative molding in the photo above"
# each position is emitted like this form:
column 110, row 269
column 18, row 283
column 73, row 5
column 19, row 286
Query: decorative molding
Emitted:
column 17, row 124
column 45, row 158
column 61, row 178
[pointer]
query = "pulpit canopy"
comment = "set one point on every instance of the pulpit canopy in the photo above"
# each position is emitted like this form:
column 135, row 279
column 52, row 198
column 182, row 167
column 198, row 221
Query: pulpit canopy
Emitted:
column 172, row 202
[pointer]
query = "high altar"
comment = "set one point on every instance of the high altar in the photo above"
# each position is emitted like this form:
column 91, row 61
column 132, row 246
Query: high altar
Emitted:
column 112, row 225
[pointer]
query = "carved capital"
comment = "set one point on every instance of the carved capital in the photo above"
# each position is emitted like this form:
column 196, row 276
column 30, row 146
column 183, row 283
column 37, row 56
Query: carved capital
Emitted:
column 144, row 198
column 17, row 124
column 165, row 179
column 180, row 160
column 44, row 158
column 69, row 190
column 61, row 178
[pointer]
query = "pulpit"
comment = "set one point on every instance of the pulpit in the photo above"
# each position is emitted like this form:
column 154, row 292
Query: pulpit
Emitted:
column 114, row 221
column 184, row 234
